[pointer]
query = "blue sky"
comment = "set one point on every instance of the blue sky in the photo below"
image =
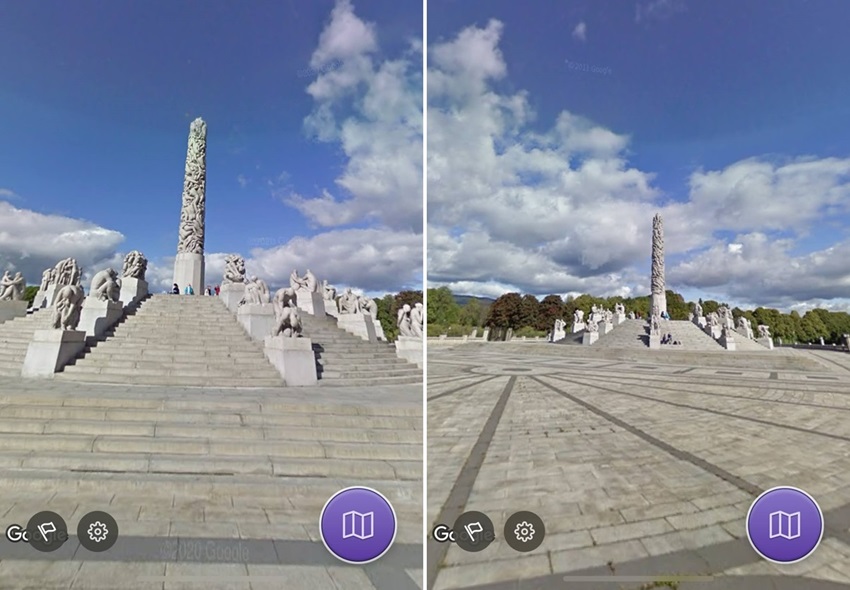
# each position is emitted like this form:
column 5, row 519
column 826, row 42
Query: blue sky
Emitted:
column 314, row 135
column 577, row 121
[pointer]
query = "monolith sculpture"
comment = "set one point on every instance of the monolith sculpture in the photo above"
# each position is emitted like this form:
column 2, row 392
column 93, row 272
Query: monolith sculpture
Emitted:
column 659, row 295
column 189, row 263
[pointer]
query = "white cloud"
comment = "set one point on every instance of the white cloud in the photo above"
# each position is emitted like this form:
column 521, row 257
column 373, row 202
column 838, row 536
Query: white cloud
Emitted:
column 32, row 241
column 658, row 10
column 242, row 180
column 580, row 31
column 513, row 208
column 381, row 135
column 8, row 194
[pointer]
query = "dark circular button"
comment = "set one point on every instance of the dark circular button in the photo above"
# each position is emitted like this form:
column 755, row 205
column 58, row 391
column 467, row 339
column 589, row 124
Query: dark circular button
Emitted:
column 47, row 531
column 474, row 531
column 524, row 531
column 97, row 531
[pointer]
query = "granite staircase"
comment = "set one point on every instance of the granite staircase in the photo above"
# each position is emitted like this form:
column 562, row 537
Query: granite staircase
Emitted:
column 176, row 340
column 345, row 359
column 15, row 337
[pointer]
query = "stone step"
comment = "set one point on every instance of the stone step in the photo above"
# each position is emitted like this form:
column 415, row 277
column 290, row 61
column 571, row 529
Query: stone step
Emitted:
column 79, row 443
column 339, row 380
column 153, row 370
column 269, row 465
column 175, row 380
column 190, row 430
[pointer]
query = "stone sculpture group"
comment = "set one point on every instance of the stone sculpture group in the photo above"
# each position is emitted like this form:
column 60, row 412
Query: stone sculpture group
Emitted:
column 12, row 288
column 287, row 320
column 410, row 321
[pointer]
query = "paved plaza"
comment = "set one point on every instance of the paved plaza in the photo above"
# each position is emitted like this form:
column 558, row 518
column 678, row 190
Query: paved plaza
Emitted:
column 211, row 488
column 641, row 464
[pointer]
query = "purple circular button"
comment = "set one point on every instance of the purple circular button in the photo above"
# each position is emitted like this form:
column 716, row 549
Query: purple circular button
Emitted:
column 785, row 525
column 358, row 525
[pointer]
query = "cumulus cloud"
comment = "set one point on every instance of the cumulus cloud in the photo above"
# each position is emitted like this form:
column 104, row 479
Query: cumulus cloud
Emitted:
column 373, row 109
column 563, row 211
column 580, row 32
column 658, row 10
column 32, row 241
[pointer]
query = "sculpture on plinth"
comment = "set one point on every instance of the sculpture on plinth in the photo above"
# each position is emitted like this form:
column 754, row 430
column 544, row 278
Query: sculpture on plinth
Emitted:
column 349, row 302
column 659, row 295
column 417, row 320
column 329, row 292
column 578, row 316
column 12, row 288
column 403, row 321
column 713, row 319
column 620, row 309
column 655, row 325
column 104, row 285
column 745, row 325
column 697, row 309
column 592, row 326
column 311, row 282
column 66, row 272
column 287, row 320
column 46, row 279
column 608, row 316
column 67, row 308
column 764, row 331
column 234, row 270
column 193, row 213
column 135, row 266
column 256, row 292
column 368, row 305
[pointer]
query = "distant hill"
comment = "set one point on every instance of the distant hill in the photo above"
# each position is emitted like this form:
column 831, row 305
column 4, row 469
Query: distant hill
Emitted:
column 464, row 299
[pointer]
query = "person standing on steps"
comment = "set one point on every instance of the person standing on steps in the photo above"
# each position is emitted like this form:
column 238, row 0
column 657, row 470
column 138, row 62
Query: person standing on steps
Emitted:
column 217, row 290
column 189, row 290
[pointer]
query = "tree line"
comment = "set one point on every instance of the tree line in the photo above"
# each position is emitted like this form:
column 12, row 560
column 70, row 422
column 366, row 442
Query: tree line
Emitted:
column 529, row 316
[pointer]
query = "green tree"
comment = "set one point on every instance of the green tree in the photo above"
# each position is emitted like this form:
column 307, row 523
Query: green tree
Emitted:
column 30, row 293
column 551, row 309
column 528, row 311
column 505, row 311
column 442, row 307
column 473, row 313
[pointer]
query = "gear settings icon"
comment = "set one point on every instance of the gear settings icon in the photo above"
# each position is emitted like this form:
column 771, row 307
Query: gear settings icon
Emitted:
column 98, row 531
column 524, row 531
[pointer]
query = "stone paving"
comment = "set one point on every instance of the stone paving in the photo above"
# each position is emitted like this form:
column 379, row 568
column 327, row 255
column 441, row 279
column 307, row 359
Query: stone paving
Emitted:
column 642, row 465
column 211, row 487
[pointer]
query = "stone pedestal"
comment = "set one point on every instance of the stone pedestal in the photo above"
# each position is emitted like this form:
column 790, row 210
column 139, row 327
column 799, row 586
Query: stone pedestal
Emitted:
column 766, row 342
column 132, row 290
column 311, row 302
column 714, row 331
column 589, row 338
column 654, row 342
column 474, row 334
column 486, row 335
column 331, row 308
column 189, row 270
column 410, row 349
column 510, row 335
column 10, row 310
column 379, row 330
column 558, row 335
column 257, row 319
column 619, row 318
column 231, row 294
column 50, row 350
column 359, row 324
column 578, row 327
column 97, row 316
column 700, row 321
column 293, row 358
column 846, row 341
column 605, row 328
column 45, row 298
column 727, row 341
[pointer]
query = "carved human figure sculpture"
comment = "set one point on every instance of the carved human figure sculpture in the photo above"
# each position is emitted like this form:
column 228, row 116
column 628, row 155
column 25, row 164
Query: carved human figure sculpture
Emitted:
column 104, row 285
column 620, row 309
column 311, row 283
column 349, row 303
column 697, row 309
column 764, row 331
column 655, row 325
column 12, row 288
column 287, row 320
column 329, row 291
column 46, row 279
column 368, row 305
column 578, row 316
column 403, row 321
column 234, row 270
column 135, row 266
column 256, row 292
column 67, row 308
column 417, row 319
column 67, row 272
column 592, row 326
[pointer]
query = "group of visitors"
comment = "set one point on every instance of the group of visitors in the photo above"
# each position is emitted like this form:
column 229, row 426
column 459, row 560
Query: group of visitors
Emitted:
column 189, row 290
column 668, row 339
